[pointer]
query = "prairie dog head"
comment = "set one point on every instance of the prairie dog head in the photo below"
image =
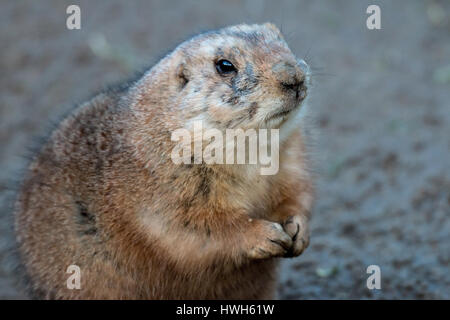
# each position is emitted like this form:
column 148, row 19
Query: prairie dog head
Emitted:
column 243, row 76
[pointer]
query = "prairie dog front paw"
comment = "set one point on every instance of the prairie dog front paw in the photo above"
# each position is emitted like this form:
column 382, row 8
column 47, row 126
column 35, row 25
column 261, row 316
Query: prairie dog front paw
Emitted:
column 297, row 227
column 268, row 239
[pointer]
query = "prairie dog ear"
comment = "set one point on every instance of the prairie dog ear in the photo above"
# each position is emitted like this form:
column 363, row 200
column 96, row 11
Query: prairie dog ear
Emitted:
column 183, row 74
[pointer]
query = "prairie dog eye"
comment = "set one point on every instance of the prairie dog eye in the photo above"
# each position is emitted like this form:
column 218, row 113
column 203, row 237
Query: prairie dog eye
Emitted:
column 225, row 67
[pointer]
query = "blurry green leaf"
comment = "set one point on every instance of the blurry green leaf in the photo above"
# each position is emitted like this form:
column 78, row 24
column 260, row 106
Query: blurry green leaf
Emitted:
column 103, row 49
column 397, row 126
column 335, row 168
column 436, row 14
column 325, row 272
column 442, row 75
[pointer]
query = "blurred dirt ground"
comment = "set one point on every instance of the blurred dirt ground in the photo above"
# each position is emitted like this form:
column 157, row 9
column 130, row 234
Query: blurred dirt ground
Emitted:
column 381, row 101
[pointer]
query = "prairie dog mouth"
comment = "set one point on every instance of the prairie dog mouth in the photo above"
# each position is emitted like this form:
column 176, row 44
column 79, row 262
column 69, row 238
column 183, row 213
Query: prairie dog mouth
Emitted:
column 284, row 112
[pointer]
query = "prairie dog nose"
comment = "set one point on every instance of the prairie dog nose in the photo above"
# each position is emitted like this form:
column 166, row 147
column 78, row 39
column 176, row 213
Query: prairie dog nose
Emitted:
column 291, row 77
column 288, row 73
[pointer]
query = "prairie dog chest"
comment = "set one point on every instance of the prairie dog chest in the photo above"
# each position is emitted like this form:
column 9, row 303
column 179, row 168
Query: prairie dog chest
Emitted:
column 250, row 191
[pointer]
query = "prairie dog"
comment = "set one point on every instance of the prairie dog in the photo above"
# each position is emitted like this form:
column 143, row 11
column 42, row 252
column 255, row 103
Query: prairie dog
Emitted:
column 104, row 194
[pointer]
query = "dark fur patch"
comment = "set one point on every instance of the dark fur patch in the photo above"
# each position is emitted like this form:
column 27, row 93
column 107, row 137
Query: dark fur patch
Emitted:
column 202, row 186
column 219, row 52
column 252, row 109
column 252, row 37
column 245, row 83
column 86, row 219
column 183, row 76
column 183, row 80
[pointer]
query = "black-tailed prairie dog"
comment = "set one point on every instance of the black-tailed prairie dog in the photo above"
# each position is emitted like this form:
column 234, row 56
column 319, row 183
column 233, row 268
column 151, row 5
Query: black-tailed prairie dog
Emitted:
column 104, row 193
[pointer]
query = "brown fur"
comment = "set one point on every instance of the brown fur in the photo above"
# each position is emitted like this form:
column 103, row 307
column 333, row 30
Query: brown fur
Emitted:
column 104, row 194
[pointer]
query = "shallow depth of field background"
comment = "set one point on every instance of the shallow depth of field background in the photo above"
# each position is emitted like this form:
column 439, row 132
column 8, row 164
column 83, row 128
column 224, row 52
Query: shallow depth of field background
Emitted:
column 381, row 103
